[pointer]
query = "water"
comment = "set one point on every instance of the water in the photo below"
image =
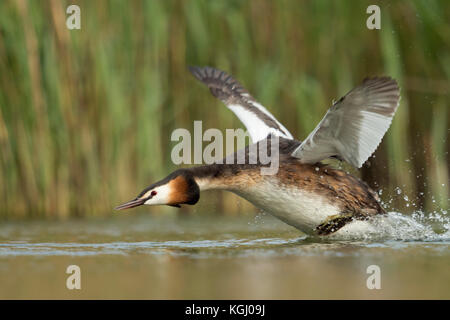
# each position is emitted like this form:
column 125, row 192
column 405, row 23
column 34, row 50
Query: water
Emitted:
column 204, row 257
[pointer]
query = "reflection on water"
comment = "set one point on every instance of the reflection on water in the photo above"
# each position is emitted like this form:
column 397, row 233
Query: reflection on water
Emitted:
column 198, row 257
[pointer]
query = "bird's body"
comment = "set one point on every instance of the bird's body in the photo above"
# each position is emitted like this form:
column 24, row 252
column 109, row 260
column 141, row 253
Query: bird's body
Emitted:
column 301, row 195
column 304, row 193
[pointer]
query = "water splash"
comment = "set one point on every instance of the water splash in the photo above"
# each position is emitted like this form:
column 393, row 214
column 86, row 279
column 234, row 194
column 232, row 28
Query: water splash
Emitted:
column 418, row 226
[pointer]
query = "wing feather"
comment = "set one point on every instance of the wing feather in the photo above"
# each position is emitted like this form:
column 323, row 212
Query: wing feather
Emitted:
column 257, row 119
column 353, row 127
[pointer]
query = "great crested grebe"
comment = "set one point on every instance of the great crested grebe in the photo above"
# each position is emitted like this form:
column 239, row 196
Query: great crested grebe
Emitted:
column 306, row 194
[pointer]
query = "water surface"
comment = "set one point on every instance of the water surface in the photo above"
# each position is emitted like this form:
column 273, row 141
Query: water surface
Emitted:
column 150, row 257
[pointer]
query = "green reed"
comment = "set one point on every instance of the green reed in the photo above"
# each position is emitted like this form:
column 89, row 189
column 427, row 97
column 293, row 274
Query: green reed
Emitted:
column 86, row 115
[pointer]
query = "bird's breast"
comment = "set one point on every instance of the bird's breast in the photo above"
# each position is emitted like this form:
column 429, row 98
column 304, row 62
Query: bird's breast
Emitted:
column 302, row 209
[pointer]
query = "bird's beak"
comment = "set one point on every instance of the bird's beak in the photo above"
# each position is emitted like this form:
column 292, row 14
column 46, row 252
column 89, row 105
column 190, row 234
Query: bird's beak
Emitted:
column 131, row 204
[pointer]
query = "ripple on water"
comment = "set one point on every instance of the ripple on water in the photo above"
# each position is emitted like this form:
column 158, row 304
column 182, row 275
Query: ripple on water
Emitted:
column 391, row 232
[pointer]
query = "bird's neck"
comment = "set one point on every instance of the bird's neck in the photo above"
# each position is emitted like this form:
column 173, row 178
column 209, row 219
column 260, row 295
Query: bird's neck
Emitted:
column 221, row 176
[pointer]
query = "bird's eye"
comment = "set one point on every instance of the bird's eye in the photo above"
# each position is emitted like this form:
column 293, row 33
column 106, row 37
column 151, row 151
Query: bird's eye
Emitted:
column 153, row 193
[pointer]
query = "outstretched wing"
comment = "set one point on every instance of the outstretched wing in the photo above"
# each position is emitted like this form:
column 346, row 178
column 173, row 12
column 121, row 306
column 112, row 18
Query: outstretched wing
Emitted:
column 353, row 127
column 258, row 121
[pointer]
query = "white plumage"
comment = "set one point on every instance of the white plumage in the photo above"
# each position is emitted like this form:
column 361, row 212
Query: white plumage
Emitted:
column 257, row 128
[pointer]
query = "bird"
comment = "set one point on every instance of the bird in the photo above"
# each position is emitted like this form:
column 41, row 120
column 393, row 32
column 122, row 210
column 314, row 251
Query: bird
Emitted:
column 316, row 198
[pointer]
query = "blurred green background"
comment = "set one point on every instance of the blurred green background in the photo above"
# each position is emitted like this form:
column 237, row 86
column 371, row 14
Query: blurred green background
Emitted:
column 86, row 115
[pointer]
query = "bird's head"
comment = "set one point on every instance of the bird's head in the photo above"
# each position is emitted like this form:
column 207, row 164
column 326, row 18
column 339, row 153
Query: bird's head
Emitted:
column 177, row 188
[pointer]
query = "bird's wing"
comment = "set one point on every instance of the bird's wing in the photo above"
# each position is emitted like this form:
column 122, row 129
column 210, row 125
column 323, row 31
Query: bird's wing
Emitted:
column 258, row 121
column 353, row 127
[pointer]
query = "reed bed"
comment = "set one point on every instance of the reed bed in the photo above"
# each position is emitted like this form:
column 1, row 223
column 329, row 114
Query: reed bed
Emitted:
column 86, row 115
